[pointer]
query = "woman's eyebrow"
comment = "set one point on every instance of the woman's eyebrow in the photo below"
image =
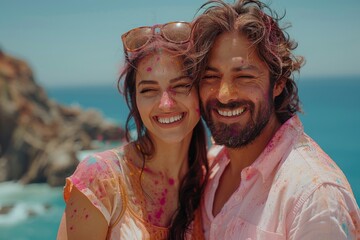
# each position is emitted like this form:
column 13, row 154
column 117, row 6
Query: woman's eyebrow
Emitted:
column 178, row 78
column 145, row 82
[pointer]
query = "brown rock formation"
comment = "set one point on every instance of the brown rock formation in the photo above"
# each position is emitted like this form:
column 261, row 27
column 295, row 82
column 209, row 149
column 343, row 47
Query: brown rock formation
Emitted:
column 39, row 138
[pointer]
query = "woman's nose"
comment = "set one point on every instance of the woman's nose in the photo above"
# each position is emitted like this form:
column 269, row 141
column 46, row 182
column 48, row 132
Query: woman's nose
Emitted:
column 166, row 102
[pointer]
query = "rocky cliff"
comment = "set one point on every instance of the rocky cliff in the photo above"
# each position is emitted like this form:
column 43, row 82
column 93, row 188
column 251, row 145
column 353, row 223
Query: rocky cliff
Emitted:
column 39, row 138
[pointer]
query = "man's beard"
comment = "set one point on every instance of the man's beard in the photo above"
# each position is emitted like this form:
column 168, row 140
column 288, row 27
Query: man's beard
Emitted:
column 238, row 135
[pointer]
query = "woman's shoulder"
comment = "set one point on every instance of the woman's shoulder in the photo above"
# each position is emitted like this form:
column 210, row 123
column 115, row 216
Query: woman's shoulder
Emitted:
column 103, row 164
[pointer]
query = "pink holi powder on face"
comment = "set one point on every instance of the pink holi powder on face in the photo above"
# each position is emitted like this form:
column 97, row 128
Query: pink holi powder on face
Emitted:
column 171, row 91
column 156, row 182
column 158, row 59
column 239, row 60
column 198, row 111
column 149, row 69
column 171, row 181
column 166, row 101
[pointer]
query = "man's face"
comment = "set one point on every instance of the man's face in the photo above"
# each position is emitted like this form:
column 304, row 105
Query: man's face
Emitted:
column 235, row 94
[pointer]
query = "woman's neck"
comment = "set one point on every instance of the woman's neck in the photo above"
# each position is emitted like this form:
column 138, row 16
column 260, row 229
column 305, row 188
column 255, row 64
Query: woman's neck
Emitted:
column 161, row 178
column 170, row 159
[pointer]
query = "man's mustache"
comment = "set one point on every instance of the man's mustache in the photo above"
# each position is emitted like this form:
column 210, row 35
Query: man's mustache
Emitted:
column 214, row 103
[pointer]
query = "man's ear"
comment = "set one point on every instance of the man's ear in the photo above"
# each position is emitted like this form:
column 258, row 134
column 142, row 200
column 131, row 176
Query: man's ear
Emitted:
column 279, row 87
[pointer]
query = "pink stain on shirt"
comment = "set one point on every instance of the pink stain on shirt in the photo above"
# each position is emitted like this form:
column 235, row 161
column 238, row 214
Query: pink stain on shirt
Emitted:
column 171, row 181
column 250, row 172
column 149, row 69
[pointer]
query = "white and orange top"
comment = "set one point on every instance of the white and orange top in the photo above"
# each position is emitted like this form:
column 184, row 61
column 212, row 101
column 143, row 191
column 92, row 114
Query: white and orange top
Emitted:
column 111, row 182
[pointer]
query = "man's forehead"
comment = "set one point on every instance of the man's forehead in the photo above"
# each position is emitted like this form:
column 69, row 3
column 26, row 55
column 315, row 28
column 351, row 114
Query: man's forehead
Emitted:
column 238, row 60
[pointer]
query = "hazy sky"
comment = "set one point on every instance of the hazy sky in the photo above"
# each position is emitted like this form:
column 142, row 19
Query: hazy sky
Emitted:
column 78, row 42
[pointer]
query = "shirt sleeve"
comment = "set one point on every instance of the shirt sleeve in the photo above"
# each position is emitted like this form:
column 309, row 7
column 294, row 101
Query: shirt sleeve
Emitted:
column 96, row 179
column 329, row 213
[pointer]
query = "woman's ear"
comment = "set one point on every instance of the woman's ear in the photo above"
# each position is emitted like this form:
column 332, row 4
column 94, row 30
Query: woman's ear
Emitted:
column 279, row 87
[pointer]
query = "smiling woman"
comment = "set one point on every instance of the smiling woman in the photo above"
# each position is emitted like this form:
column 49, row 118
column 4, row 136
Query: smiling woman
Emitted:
column 168, row 105
column 151, row 187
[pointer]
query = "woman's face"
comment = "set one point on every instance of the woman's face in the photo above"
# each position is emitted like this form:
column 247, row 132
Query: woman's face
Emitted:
column 168, row 106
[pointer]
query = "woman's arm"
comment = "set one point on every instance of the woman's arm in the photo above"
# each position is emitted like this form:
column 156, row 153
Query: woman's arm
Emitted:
column 82, row 220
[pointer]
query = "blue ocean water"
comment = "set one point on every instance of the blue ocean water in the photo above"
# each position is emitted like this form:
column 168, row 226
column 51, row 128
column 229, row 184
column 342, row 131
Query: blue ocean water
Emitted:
column 331, row 117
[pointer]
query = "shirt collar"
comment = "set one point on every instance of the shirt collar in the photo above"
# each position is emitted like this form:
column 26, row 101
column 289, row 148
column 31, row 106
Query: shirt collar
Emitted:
column 279, row 147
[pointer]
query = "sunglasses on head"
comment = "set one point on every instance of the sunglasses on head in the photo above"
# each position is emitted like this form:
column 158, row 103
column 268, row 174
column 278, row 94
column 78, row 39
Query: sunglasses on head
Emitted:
column 174, row 32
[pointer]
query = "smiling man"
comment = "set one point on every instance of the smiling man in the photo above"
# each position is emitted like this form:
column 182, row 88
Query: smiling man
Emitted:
column 268, row 180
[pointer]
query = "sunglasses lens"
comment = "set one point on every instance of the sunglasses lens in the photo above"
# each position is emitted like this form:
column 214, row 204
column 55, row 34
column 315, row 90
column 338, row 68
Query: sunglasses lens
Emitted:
column 177, row 32
column 137, row 38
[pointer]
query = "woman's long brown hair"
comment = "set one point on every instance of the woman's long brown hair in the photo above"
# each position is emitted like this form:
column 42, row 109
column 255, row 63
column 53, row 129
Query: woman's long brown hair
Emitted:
column 193, row 183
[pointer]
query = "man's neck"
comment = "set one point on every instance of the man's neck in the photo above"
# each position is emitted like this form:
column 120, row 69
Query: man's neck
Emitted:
column 243, row 157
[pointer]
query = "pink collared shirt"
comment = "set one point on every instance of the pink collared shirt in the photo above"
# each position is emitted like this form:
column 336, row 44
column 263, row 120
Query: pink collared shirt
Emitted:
column 292, row 191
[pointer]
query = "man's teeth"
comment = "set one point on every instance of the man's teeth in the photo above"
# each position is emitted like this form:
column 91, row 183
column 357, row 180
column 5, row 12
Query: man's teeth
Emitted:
column 170, row 119
column 232, row 113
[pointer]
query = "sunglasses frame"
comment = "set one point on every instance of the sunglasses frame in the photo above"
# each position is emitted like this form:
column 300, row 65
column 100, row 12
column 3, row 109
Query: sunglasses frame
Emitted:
column 153, row 28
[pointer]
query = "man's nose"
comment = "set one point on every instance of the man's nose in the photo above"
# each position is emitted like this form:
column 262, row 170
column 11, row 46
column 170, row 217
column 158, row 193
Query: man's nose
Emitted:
column 226, row 92
column 166, row 102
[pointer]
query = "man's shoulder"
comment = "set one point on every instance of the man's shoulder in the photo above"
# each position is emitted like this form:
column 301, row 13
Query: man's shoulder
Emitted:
column 308, row 167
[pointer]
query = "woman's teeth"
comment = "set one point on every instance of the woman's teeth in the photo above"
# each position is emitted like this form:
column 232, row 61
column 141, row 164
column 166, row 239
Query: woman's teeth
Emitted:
column 167, row 120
